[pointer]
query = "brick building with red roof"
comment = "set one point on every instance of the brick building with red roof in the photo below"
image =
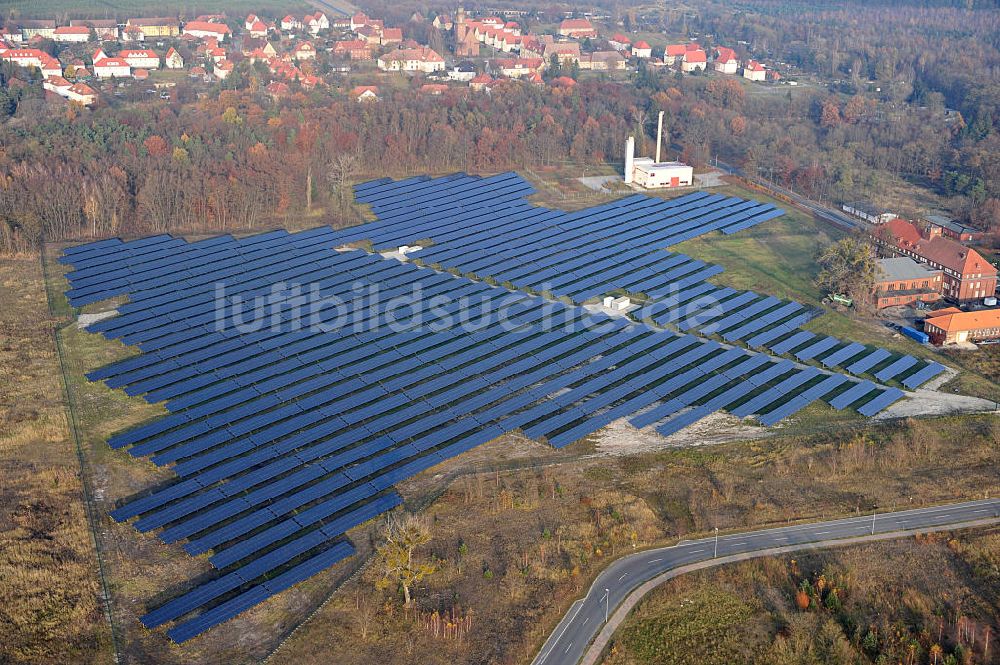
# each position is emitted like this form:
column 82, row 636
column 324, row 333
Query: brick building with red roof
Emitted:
column 967, row 276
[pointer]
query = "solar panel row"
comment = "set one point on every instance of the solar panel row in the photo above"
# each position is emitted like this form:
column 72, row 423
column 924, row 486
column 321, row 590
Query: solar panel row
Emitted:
column 285, row 437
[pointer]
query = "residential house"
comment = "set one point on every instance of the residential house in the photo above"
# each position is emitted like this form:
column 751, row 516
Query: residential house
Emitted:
column 359, row 20
column 566, row 52
column 754, row 71
column 370, row 34
column 578, row 28
column 442, row 22
column 694, row 59
column 424, row 60
column 464, row 72
column 315, row 23
column 223, row 68
column 216, row 53
column 155, row 27
column 203, row 29
column 903, row 281
column 82, row 93
column 392, row 36
column 290, row 23
column 277, row 89
column 355, row 49
column 434, row 88
column 74, row 92
column 620, row 42
column 105, row 29
column 481, row 82
column 602, row 61
column 32, row 57
column 518, row 67
column 143, row 58
column 173, row 59
column 258, row 29
column 71, row 33
column 953, row 326
column 11, row 35
column 305, row 51
column 45, row 28
column 108, row 67
column 674, row 51
column 642, row 49
column 365, row 93
column 966, row 275
column 725, row 60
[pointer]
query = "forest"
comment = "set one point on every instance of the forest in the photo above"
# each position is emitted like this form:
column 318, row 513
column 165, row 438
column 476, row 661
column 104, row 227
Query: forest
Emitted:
column 907, row 94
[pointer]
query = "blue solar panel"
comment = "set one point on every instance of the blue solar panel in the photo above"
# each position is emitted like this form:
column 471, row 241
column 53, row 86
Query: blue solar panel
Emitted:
column 278, row 431
column 817, row 348
column 896, row 368
column 923, row 375
column 880, row 402
column 868, row 361
column 852, row 394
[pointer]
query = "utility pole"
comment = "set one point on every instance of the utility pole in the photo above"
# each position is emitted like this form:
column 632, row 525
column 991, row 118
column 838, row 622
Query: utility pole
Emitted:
column 874, row 512
column 607, row 603
column 716, row 555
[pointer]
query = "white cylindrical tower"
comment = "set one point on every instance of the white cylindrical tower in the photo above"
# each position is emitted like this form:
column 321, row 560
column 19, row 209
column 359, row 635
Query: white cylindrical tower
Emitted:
column 629, row 159
column 659, row 136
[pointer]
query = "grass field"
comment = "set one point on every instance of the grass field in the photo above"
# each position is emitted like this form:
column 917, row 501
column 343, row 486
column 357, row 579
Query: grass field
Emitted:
column 515, row 549
column 49, row 593
column 123, row 9
column 880, row 603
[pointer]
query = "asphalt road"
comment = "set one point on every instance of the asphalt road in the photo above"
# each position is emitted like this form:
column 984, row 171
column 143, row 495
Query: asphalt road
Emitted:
column 569, row 641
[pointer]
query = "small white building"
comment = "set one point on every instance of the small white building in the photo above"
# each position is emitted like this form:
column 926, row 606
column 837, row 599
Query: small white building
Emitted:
column 108, row 67
column 71, row 33
column 725, row 60
column 652, row 173
column 656, row 175
column 754, row 71
column 174, row 59
column 642, row 49
column 424, row 60
column 140, row 58
column 222, row 69
column 694, row 59
column 618, row 304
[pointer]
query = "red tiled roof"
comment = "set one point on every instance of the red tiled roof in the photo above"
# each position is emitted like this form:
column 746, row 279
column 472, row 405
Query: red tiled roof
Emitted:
column 900, row 233
column 641, row 45
column 725, row 54
column 205, row 26
column 676, row 49
column 956, row 256
column 695, row 56
column 576, row 24
column 983, row 319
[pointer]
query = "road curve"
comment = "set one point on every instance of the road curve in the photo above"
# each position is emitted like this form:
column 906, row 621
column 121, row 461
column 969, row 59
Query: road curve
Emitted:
column 586, row 617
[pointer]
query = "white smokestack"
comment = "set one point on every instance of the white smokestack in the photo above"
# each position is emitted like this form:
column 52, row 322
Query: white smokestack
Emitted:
column 629, row 158
column 659, row 136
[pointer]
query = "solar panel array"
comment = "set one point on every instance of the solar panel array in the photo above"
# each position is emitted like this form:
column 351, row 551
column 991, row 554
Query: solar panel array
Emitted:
column 285, row 435
column 484, row 228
